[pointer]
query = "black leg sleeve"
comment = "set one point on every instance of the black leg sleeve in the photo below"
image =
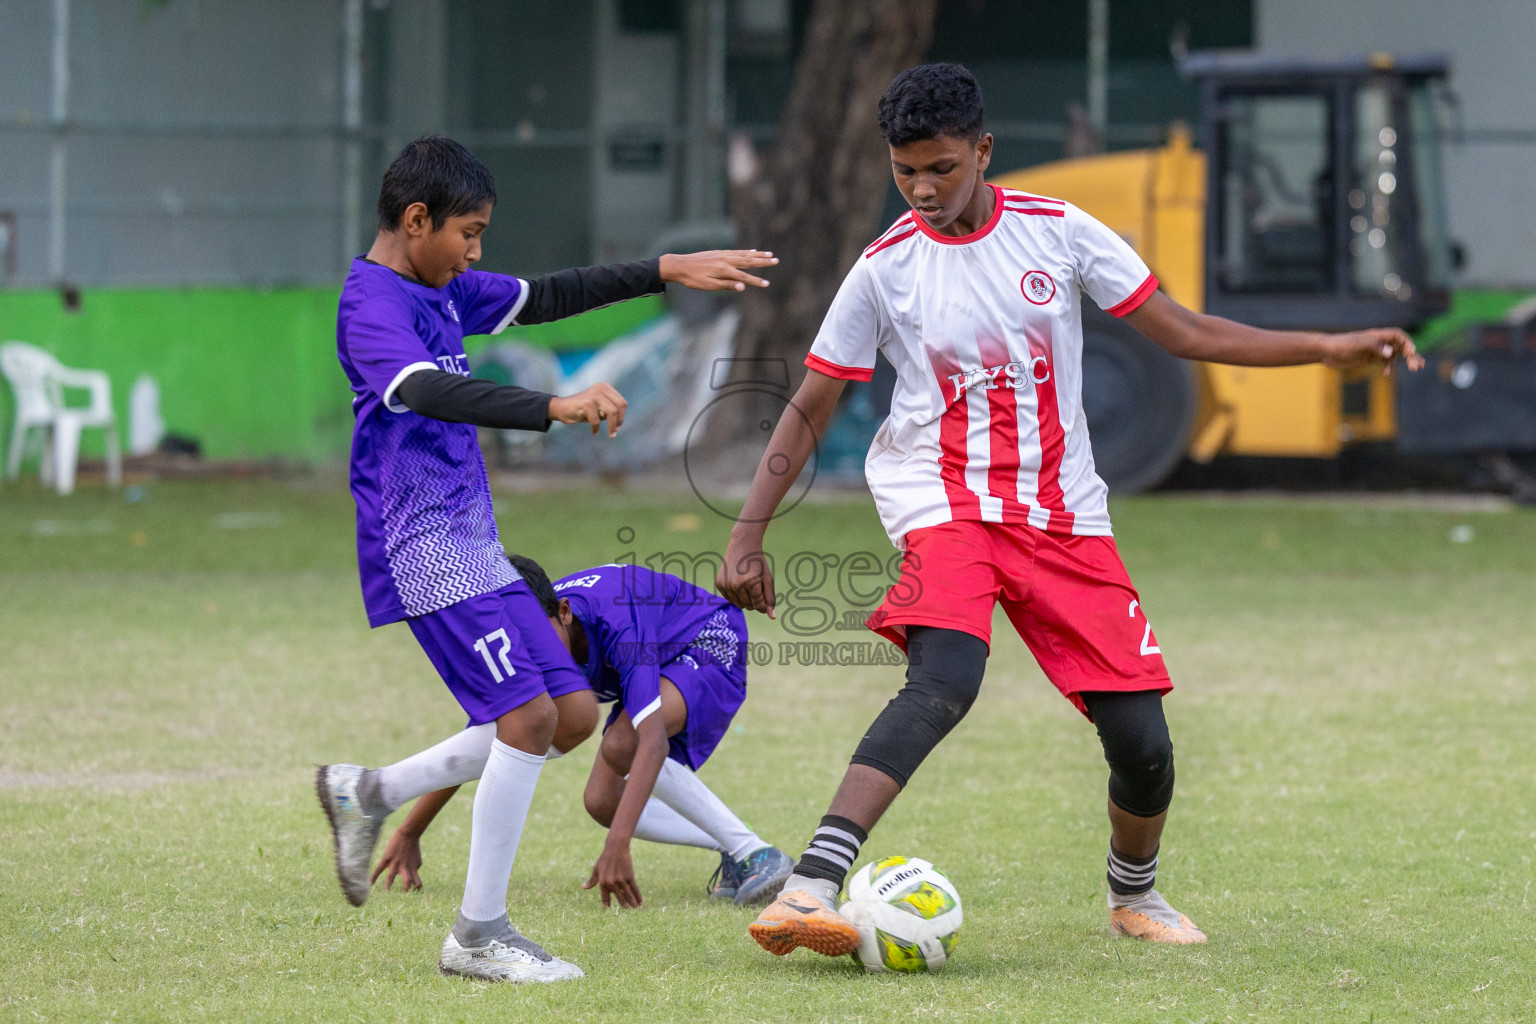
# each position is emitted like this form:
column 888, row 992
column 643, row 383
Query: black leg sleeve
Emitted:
column 944, row 670
column 1137, row 746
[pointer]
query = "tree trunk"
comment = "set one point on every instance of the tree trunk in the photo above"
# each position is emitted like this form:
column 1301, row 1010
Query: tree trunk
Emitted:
column 816, row 196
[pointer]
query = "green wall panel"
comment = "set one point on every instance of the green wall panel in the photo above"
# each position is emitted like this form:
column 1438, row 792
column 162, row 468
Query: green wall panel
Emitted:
column 248, row 373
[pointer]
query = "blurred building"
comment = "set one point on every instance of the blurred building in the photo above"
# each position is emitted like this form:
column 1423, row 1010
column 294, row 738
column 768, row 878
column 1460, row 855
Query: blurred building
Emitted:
column 199, row 172
column 184, row 142
column 171, row 142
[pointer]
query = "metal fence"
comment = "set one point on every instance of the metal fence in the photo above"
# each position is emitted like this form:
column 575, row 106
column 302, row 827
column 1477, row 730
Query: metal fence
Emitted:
column 145, row 143
column 221, row 142
column 218, row 142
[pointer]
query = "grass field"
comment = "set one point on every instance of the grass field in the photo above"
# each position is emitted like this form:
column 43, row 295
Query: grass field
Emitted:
column 1355, row 822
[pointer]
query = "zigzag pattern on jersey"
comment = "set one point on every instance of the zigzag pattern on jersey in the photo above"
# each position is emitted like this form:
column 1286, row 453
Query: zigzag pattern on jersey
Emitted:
column 439, row 528
column 718, row 640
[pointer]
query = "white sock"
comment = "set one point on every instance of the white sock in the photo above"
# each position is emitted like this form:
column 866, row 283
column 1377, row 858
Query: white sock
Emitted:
column 501, row 808
column 821, row 888
column 683, row 791
column 661, row 824
column 458, row 759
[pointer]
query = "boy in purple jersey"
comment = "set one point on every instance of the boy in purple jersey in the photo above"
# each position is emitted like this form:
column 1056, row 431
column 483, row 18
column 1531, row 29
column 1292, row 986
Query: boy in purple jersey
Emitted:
column 673, row 659
column 426, row 536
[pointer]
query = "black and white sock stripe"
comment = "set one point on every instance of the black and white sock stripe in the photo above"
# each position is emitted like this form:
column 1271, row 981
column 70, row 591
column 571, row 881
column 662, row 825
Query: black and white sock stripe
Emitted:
column 835, row 844
column 1130, row 876
column 833, row 849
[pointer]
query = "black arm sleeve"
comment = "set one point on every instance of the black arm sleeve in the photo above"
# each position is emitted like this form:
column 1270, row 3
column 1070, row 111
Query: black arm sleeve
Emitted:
column 568, row 292
column 440, row 395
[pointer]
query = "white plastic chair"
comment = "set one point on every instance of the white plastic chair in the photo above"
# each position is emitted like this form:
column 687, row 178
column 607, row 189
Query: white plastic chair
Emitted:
column 38, row 381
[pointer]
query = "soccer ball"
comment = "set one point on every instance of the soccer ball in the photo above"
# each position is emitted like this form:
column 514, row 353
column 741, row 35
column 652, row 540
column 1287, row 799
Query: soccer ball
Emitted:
column 908, row 915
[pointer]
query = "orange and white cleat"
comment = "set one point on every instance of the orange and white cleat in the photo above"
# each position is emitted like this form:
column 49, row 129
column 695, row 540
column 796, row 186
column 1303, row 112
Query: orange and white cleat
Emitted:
column 1150, row 918
column 799, row 919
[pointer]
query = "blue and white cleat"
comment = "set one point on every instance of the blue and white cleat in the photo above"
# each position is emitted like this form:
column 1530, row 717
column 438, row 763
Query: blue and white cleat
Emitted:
column 354, row 833
column 521, row 960
column 761, row 875
column 722, row 884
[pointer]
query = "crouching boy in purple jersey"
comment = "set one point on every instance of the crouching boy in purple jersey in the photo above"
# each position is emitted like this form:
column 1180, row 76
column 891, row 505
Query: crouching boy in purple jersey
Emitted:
column 426, row 536
column 672, row 658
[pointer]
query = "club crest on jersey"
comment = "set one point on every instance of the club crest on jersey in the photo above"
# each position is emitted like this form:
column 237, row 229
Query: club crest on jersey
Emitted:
column 1038, row 287
column 453, row 311
column 1005, row 375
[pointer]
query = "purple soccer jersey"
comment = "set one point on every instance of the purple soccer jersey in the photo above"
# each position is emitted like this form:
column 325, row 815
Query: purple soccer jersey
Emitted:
column 642, row 625
column 426, row 533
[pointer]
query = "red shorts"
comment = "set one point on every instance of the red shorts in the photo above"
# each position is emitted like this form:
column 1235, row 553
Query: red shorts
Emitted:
column 1070, row 598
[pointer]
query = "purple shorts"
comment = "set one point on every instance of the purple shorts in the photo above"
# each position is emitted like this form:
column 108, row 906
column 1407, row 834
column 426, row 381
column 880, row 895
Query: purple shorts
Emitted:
column 711, row 675
column 497, row 652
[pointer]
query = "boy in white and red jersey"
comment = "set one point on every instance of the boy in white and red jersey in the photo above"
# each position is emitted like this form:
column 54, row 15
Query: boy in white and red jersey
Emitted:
column 983, row 474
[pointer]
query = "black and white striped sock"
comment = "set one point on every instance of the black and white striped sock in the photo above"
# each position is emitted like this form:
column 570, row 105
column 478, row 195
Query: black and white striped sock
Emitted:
column 833, row 849
column 1131, row 876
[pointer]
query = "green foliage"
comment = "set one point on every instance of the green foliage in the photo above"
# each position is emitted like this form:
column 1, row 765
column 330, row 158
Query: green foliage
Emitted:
column 1353, row 825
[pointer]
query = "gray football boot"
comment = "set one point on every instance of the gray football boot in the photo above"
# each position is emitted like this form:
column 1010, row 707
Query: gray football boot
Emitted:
column 354, row 832
column 513, row 958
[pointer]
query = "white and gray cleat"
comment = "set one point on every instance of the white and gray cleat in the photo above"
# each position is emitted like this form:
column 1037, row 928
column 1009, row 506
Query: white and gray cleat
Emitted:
column 513, row 961
column 354, row 832
column 1147, row 916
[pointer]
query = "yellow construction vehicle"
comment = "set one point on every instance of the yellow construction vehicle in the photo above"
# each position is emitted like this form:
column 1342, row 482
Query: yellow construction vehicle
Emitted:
column 1315, row 202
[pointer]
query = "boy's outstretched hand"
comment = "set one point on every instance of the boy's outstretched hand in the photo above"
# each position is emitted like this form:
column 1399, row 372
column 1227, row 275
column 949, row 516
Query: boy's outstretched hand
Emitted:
column 614, row 876
column 719, row 270
column 1378, row 346
column 746, row 579
column 402, row 857
column 599, row 402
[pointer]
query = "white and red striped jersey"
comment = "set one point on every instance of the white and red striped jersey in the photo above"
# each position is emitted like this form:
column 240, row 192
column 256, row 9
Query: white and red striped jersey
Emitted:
column 985, row 333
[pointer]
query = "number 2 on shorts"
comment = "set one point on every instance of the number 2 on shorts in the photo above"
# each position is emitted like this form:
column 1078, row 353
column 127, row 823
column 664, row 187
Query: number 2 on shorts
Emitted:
column 483, row 645
column 1147, row 646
